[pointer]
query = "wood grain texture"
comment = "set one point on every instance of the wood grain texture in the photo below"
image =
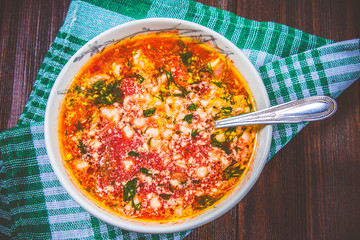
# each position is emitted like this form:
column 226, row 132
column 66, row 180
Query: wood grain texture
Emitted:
column 309, row 190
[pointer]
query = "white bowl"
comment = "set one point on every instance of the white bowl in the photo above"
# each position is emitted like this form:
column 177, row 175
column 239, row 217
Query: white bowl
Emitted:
column 113, row 35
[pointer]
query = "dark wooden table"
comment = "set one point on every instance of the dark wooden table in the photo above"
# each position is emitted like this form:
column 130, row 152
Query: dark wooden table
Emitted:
column 309, row 190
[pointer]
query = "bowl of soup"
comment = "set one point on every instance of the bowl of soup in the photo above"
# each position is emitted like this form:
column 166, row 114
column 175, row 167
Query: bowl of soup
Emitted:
column 129, row 126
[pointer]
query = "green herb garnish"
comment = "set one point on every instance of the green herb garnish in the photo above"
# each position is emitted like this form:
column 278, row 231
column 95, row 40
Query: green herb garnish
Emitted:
column 248, row 102
column 171, row 188
column 149, row 112
column 222, row 145
column 149, row 142
column 160, row 97
column 226, row 110
column 101, row 93
column 207, row 68
column 171, row 80
column 229, row 98
column 81, row 146
column 185, row 57
column 194, row 133
column 233, row 170
column 183, row 90
column 129, row 63
column 78, row 89
column 166, row 93
column 165, row 196
column 230, row 133
column 136, row 206
column 69, row 160
column 140, row 78
column 205, row 201
column 137, row 76
column 218, row 84
column 181, row 44
column 130, row 190
column 145, row 171
column 78, row 126
column 188, row 118
column 133, row 154
column 192, row 107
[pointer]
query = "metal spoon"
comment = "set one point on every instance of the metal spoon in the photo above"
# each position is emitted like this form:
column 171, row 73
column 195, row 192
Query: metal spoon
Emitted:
column 304, row 110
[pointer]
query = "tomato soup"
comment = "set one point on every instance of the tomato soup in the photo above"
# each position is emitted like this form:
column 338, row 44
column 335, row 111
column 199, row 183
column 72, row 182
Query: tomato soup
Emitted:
column 136, row 127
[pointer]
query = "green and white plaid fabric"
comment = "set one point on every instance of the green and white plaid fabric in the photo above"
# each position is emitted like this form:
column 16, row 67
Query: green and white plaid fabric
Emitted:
column 293, row 65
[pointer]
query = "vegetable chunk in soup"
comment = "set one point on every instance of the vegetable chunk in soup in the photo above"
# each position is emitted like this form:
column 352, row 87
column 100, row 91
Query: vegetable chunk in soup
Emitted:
column 136, row 128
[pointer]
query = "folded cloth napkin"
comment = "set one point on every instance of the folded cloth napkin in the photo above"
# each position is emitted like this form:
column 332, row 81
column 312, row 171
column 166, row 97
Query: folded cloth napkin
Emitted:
column 292, row 64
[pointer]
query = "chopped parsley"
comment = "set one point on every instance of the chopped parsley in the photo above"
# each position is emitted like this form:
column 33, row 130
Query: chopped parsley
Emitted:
column 149, row 142
column 207, row 68
column 222, row 145
column 248, row 101
column 77, row 89
column 166, row 93
column 78, row 126
column 192, row 107
column 133, row 154
column 81, row 146
column 183, row 90
column 136, row 206
column 218, row 84
column 171, row 80
column 101, row 93
column 194, row 133
column 145, row 171
column 233, row 170
column 160, row 97
column 181, row 44
column 130, row 192
column 226, row 110
column 205, row 201
column 165, row 196
column 188, row 118
column 149, row 112
column 138, row 77
column 69, row 160
column 230, row 133
column 196, row 181
column 185, row 58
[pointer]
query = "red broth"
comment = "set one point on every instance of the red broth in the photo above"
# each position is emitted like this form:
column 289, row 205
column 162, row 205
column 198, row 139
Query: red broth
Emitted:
column 136, row 127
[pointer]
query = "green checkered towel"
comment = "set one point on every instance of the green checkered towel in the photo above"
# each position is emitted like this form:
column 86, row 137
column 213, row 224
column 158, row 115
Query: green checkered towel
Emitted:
column 292, row 64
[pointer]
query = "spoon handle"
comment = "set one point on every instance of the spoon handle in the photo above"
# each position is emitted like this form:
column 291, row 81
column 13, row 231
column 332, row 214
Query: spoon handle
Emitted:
column 304, row 110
